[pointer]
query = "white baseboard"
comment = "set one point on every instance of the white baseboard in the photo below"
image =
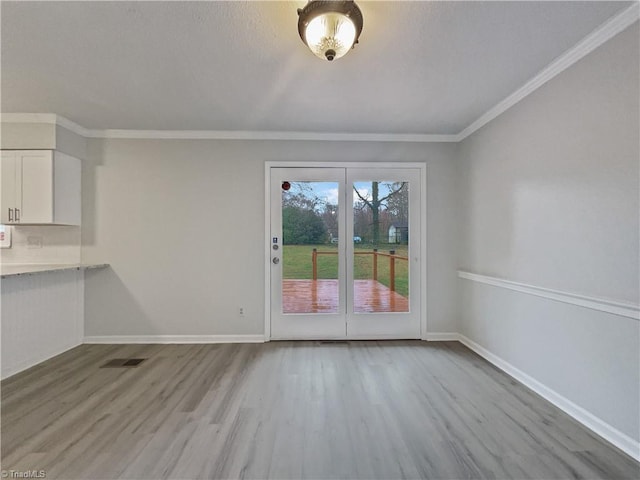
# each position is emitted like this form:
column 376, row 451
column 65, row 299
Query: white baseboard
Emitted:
column 174, row 339
column 441, row 337
column 597, row 425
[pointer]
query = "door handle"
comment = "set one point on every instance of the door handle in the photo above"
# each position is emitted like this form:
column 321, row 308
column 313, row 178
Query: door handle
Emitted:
column 275, row 260
column 17, row 214
column 11, row 214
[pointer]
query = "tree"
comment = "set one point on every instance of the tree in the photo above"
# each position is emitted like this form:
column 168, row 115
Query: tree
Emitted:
column 398, row 204
column 301, row 200
column 330, row 218
column 302, row 226
column 375, row 203
column 362, row 221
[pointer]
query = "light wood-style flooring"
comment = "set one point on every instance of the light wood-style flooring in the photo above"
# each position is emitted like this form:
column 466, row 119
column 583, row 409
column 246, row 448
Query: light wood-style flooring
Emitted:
column 291, row 410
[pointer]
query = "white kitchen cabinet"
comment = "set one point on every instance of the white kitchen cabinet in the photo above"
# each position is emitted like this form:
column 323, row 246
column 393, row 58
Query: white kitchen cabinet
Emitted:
column 39, row 187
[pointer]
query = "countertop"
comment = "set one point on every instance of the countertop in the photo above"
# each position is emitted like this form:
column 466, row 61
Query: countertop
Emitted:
column 10, row 270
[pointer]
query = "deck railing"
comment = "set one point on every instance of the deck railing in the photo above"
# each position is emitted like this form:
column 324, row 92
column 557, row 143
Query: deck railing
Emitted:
column 375, row 253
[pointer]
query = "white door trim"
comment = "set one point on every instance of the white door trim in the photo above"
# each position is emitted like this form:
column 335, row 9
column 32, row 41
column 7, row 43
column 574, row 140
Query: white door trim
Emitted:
column 267, row 228
column 393, row 324
column 321, row 325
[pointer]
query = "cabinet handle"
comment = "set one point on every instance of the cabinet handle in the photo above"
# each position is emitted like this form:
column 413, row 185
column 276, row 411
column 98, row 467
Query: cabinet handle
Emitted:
column 11, row 214
column 17, row 214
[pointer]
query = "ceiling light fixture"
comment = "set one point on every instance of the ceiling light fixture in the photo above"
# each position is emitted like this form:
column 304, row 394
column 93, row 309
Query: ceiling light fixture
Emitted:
column 330, row 28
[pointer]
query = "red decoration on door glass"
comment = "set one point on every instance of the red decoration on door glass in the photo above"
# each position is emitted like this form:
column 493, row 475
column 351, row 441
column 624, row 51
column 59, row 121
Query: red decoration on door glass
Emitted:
column 286, row 185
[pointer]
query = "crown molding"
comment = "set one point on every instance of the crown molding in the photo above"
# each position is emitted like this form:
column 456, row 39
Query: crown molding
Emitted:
column 48, row 118
column 600, row 35
column 588, row 44
column 272, row 135
column 51, row 118
column 72, row 126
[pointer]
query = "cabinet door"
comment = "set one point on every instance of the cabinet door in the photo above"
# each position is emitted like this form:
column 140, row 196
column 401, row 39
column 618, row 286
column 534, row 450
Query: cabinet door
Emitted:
column 9, row 186
column 37, row 187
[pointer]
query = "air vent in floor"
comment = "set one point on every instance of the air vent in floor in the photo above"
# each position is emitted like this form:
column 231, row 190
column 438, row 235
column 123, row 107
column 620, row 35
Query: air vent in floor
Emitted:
column 123, row 362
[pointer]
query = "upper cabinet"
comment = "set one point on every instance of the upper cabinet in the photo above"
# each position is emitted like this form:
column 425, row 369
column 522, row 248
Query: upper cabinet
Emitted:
column 39, row 187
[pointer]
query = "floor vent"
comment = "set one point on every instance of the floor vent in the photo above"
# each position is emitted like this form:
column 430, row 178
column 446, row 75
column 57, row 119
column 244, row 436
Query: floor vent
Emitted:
column 123, row 362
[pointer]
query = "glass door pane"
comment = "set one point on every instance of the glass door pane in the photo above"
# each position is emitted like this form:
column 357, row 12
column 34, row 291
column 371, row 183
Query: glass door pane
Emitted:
column 380, row 246
column 306, row 253
column 345, row 270
column 310, row 239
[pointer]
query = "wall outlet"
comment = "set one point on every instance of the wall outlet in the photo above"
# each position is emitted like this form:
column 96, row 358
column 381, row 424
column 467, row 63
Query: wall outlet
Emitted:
column 241, row 311
column 5, row 236
column 34, row 242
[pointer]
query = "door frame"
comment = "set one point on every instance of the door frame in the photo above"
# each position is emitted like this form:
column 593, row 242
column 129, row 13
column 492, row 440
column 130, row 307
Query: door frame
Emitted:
column 422, row 167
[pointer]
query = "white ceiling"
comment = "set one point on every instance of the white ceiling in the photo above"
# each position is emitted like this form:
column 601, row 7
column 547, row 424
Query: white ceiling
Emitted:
column 420, row 67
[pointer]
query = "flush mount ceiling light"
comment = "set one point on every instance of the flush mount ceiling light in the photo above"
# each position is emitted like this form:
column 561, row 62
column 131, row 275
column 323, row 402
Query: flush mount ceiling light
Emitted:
column 330, row 28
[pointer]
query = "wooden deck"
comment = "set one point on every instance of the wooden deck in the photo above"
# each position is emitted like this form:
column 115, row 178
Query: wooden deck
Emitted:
column 321, row 296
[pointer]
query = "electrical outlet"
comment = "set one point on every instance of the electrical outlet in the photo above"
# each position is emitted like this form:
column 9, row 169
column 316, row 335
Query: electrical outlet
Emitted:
column 34, row 242
column 5, row 236
column 241, row 311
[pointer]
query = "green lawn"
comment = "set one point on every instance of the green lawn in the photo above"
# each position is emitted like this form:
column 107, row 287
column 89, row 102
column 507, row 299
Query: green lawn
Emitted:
column 297, row 264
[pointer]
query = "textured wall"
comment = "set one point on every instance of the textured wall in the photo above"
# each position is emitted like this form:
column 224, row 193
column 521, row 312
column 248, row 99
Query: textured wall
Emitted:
column 181, row 222
column 549, row 196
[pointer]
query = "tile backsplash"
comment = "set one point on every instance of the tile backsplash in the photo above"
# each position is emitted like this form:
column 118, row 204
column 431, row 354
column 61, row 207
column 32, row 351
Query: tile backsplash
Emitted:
column 51, row 244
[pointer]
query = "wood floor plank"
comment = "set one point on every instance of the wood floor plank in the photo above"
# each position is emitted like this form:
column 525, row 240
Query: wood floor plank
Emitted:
column 291, row 410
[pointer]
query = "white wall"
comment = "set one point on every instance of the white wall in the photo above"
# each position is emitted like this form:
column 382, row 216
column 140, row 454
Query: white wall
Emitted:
column 42, row 316
column 181, row 222
column 51, row 244
column 70, row 143
column 549, row 196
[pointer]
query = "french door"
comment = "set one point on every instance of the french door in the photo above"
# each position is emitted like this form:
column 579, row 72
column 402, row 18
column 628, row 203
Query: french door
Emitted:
column 344, row 253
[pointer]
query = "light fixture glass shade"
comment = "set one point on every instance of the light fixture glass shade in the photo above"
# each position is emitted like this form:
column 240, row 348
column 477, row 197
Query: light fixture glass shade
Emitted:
column 330, row 28
column 330, row 35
